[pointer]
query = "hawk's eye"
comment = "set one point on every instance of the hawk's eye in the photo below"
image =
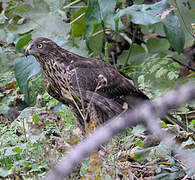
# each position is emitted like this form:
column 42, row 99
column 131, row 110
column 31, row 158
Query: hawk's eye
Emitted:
column 40, row 46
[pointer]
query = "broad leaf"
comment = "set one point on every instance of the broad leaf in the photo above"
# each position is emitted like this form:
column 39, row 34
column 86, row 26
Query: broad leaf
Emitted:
column 137, row 55
column 187, row 14
column 144, row 14
column 92, row 16
column 50, row 26
column 174, row 32
column 155, row 45
column 25, row 69
column 22, row 41
column 78, row 27
column 98, row 12
column 38, row 17
column 4, row 172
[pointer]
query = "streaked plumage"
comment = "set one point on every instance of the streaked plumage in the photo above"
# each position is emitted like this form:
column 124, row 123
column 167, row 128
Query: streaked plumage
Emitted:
column 70, row 76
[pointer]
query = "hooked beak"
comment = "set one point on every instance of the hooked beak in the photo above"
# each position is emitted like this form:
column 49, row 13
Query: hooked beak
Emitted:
column 27, row 50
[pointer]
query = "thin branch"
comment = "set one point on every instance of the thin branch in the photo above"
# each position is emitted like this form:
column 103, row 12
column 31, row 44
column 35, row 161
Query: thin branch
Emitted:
column 72, row 3
column 182, row 64
column 126, row 38
column 76, row 19
column 106, row 42
column 142, row 114
column 75, row 7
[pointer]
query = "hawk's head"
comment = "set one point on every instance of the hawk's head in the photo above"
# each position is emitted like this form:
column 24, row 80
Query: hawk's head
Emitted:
column 40, row 47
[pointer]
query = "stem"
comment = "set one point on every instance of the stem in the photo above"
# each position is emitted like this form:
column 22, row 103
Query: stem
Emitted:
column 24, row 130
column 130, row 49
column 106, row 43
column 182, row 64
column 71, row 4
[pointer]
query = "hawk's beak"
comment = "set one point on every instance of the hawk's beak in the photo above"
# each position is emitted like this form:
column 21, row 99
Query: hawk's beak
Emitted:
column 27, row 50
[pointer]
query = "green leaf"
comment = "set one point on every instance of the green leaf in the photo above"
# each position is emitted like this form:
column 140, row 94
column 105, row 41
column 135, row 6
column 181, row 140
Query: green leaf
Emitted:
column 155, row 45
column 38, row 17
column 172, row 75
column 25, row 69
column 79, row 26
column 139, row 129
column 162, row 71
column 188, row 15
column 4, row 172
column 92, row 16
column 137, row 55
column 145, row 14
column 174, row 32
column 17, row 149
column 141, row 79
column 163, row 124
column 141, row 155
column 22, row 41
column 95, row 42
column 97, row 12
column 107, row 10
column 53, row 26
column 32, row 14
column 3, row 18
column 35, row 118
column 139, row 143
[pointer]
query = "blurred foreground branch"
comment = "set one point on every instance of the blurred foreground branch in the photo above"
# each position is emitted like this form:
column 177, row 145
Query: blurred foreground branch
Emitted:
column 145, row 114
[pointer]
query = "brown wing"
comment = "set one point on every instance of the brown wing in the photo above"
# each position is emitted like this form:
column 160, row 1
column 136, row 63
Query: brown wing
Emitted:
column 86, row 72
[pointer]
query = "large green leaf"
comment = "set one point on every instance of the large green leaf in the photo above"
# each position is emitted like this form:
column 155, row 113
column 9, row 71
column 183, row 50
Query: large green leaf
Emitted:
column 78, row 28
column 92, row 16
column 155, row 45
column 25, row 69
column 4, row 172
column 187, row 16
column 145, row 14
column 51, row 26
column 136, row 57
column 22, row 41
column 107, row 10
column 174, row 32
column 39, row 19
column 97, row 12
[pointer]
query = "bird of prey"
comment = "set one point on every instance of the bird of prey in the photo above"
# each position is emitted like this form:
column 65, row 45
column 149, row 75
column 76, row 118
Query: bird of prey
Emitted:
column 93, row 90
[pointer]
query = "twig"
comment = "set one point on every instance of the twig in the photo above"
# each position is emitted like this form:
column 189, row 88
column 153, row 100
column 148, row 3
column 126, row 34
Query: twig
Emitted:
column 24, row 130
column 76, row 19
column 182, row 64
column 75, row 7
column 72, row 3
column 106, row 42
column 126, row 38
column 183, row 20
column 141, row 114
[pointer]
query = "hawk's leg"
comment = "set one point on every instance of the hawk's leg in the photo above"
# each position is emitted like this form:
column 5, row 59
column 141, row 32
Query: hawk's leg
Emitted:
column 77, row 117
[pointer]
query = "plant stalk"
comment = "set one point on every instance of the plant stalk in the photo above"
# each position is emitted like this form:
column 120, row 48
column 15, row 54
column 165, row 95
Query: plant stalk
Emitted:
column 130, row 49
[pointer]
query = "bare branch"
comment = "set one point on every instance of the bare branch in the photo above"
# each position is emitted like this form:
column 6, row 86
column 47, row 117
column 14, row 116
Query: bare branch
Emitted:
column 182, row 64
column 145, row 113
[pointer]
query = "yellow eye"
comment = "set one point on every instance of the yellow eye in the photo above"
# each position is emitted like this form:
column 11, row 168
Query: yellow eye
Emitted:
column 40, row 46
